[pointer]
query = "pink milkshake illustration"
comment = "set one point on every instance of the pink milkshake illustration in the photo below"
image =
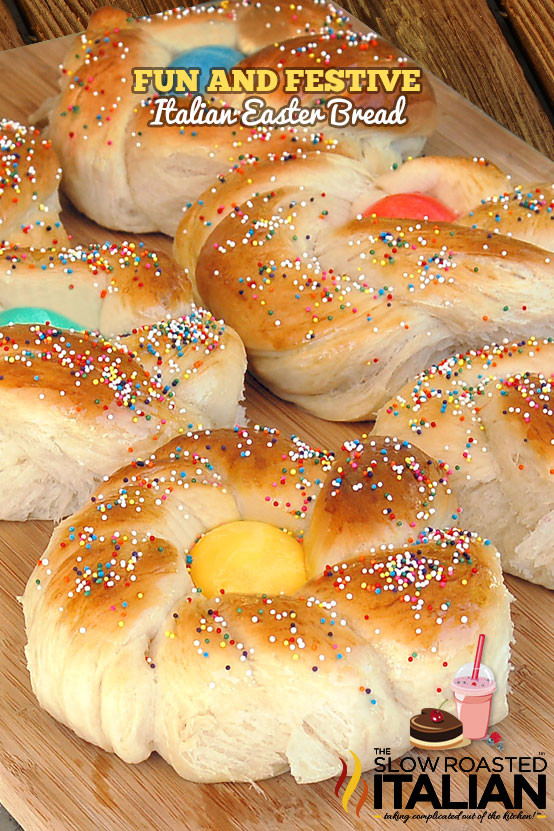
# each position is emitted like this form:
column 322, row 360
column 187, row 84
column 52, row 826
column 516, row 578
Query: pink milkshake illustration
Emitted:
column 473, row 688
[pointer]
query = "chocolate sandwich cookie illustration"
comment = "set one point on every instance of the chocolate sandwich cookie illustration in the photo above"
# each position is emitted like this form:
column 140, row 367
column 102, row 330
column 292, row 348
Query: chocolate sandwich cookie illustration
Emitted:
column 437, row 729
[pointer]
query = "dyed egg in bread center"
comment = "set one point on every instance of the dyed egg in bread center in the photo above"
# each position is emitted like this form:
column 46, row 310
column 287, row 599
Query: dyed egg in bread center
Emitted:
column 411, row 206
column 248, row 557
column 35, row 314
column 206, row 58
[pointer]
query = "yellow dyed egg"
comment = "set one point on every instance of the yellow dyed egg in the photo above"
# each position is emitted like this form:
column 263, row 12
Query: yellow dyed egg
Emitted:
column 248, row 557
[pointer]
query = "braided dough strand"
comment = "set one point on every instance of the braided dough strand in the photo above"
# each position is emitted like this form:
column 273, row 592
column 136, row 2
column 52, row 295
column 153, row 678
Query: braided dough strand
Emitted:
column 30, row 175
column 480, row 194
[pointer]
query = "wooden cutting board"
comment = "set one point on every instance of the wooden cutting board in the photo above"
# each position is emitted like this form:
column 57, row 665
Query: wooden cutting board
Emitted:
column 52, row 781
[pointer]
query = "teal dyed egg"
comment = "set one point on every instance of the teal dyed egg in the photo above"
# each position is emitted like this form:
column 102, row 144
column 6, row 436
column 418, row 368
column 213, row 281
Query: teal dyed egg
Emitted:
column 34, row 314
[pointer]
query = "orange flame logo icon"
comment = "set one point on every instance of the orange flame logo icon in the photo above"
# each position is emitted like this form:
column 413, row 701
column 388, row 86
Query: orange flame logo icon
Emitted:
column 352, row 785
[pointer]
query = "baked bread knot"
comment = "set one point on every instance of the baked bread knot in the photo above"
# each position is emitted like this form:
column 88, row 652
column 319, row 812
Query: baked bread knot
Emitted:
column 108, row 288
column 336, row 309
column 127, row 651
column 487, row 414
column 76, row 406
column 126, row 175
column 29, row 179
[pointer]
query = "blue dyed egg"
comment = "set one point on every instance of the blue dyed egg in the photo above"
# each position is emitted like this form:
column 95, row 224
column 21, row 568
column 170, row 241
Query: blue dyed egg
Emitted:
column 206, row 58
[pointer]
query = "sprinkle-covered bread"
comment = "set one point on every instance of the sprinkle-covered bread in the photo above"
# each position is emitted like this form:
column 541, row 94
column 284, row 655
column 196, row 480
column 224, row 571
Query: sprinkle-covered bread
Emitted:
column 336, row 309
column 478, row 194
column 487, row 415
column 76, row 406
column 242, row 686
column 526, row 212
column 30, row 175
column 129, row 176
column 110, row 288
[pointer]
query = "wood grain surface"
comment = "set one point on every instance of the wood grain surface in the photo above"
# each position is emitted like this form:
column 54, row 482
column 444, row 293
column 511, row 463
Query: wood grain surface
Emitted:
column 459, row 40
column 462, row 44
column 52, row 781
column 533, row 22
column 9, row 34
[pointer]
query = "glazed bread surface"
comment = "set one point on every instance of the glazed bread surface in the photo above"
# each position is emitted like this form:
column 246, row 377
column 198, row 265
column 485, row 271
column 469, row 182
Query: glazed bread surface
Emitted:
column 110, row 288
column 480, row 195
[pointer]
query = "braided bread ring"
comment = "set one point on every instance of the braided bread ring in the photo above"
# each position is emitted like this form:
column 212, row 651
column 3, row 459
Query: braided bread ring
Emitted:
column 124, row 650
column 126, row 175
column 337, row 311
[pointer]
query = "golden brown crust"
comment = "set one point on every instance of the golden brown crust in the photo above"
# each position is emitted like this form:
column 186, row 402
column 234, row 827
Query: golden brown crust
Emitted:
column 77, row 406
column 228, row 150
column 250, row 23
column 368, row 595
column 260, row 24
column 450, row 404
column 108, row 17
column 463, row 558
column 237, row 187
column 246, row 462
column 280, row 481
column 142, row 377
column 488, row 415
column 526, row 403
column 212, row 153
column 83, row 604
column 375, row 492
column 227, row 275
column 76, row 372
column 526, row 213
column 383, row 491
